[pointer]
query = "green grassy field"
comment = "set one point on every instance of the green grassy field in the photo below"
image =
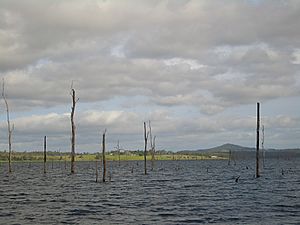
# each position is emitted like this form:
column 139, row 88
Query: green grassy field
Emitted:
column 56, row 156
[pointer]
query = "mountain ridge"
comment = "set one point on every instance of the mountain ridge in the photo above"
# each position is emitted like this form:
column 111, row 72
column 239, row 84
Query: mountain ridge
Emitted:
column 233, row 147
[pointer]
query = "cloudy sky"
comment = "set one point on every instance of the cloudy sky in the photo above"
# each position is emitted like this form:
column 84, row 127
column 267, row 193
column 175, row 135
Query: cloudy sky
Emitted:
column 194, row 68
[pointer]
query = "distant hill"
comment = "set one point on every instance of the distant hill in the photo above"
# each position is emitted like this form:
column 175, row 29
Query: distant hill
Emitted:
column 231, row 147
column 228, row 147
column 222, row 148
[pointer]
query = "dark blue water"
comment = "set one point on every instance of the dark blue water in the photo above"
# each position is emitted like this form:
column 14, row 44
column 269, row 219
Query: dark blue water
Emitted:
column 176, row 192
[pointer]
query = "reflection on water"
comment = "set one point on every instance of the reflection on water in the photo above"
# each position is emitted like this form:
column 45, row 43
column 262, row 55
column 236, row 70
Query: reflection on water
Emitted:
column 176, row 192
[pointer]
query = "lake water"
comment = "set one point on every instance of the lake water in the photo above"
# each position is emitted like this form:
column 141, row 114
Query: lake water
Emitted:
column 176, row 192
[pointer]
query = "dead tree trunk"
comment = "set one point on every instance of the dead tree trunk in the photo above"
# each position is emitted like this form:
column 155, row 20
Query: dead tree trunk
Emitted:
column 9, row 128
column 96, row 171
column 145, row 150
column 118, row 148
column 45, row 153
column 74, row 101
column 65, row 162
column 60, row 158
column 229, row 157
column 257, row 142
column 103, row 157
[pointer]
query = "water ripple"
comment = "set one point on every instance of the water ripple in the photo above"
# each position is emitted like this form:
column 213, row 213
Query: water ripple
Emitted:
column 176, row 192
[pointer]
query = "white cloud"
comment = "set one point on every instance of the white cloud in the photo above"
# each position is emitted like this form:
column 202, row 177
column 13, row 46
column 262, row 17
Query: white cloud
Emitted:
column 192, row 64
column 206, row 55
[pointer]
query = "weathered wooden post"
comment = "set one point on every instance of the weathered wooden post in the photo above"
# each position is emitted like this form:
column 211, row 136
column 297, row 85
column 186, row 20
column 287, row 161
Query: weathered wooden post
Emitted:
column 45, row 153
column 103, row 156
column 257, row 141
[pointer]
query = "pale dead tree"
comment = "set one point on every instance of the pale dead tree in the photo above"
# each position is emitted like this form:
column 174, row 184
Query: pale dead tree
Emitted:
column 103, row 156
column 262, row 144
column 146, row 134
column 118, row 150
column 150, row 134
column 73, row 127
column 152, row 145
column 9, row 127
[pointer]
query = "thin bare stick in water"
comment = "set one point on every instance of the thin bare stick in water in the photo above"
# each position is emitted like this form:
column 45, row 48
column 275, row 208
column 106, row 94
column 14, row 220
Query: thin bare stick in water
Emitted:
column 45, row 153
column 103, row 156
column 229, row 157
column 96, row 171
column 153, row 153
column 146, row 134
column 65, row 162
column 118, row 149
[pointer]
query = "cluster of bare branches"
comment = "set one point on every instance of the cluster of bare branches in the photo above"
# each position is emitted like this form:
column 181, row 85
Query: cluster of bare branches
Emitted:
column 148, row 134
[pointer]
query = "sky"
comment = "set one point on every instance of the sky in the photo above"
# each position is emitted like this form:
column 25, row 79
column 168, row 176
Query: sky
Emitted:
column 196, row 69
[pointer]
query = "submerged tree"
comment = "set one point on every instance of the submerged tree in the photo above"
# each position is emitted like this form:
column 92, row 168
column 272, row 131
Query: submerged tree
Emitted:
column 229, row 157
column 9, row 128
column 74, row 101
column 45, row 153
column 119, row 153
column 103, row 157
column 257, row 141
column 96, row 165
